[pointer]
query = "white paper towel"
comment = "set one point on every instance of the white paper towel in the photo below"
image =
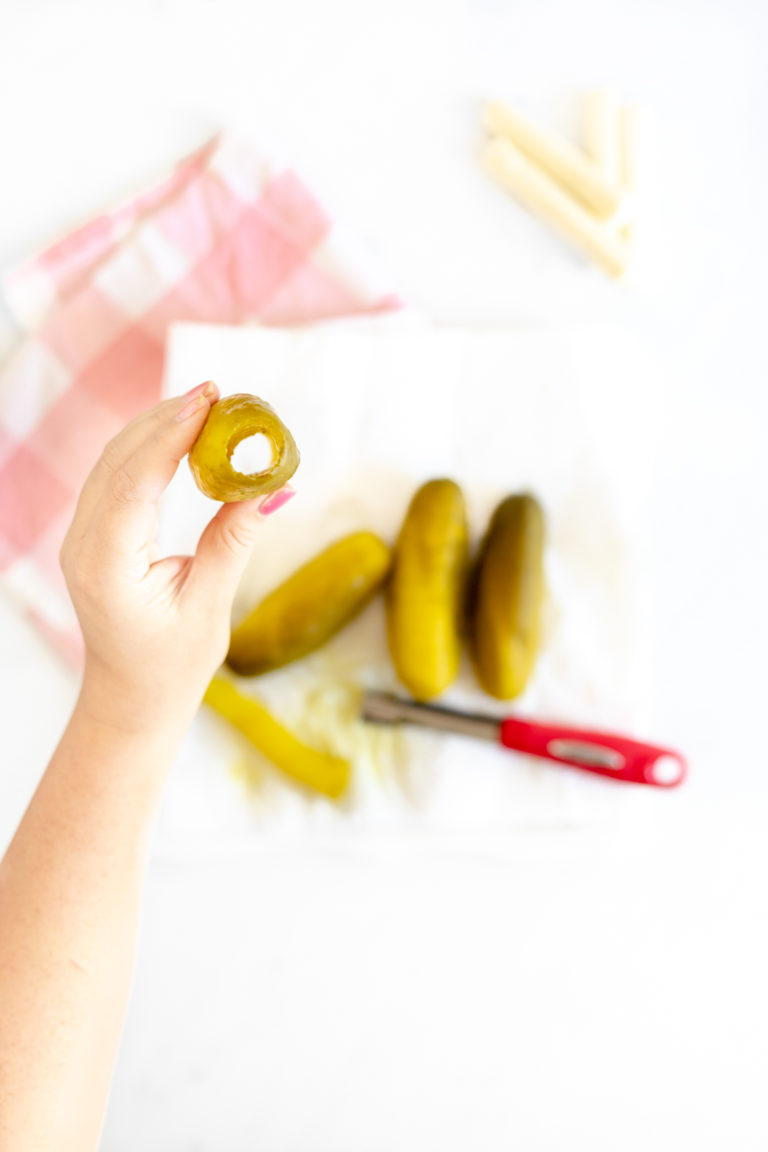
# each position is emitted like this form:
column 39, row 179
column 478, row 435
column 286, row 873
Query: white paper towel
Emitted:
column 377, row 407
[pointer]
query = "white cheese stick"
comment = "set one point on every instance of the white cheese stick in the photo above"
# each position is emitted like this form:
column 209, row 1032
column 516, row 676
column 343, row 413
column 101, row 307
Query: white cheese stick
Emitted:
column 602, row 134
column 561, row 159
column 628, row 161
column 610, row 138
column 542, row 195
column 628, row 145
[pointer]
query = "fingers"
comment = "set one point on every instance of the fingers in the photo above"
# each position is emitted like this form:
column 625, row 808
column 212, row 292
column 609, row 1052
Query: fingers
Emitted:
column 118, row 503
column 227, row 542
column 119, row 450
column 157, row 446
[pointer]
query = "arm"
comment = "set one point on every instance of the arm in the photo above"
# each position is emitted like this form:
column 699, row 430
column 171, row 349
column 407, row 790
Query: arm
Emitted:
column 70, row 882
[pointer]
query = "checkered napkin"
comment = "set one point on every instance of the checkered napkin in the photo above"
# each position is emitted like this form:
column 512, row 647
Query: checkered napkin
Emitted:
column 223, row 239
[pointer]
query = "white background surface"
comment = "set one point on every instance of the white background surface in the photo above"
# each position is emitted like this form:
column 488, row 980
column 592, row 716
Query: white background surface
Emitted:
column 596, row 989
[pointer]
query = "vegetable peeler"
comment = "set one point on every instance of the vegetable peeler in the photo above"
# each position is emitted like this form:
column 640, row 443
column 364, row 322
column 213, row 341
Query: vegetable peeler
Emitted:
column 605, row 753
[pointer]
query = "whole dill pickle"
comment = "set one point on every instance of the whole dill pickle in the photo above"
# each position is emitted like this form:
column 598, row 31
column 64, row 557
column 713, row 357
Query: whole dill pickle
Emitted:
column 232, row 419
column 319, row 771
column 508, row 596
column 311, row 605
column 425, row 597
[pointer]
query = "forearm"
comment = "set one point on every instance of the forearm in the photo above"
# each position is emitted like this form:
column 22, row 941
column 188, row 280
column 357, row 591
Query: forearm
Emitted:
column 70, row 888
column 70, row 884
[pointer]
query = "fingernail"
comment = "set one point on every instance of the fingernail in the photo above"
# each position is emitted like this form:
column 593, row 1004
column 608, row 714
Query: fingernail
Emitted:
column 276, row 500
column 193, row 406
column 197, row 390
column 197, row 397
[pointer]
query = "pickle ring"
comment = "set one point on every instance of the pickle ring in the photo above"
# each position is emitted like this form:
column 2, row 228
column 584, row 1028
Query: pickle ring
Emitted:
column 231, row 420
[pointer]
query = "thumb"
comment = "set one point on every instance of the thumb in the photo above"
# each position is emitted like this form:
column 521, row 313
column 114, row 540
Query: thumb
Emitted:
column 226, row 545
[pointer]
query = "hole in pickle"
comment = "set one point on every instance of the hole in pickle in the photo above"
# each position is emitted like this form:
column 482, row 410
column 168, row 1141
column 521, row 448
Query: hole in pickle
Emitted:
column 253, row 454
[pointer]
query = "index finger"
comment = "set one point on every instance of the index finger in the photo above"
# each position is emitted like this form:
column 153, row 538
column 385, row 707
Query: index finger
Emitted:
column 119, row 500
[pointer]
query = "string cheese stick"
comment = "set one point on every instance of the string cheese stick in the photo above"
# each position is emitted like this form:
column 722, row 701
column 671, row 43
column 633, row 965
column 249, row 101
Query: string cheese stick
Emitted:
column 542, row 195
column 602, row 134
column 557, row 156
column 609, row 138
column 628, row 139
column 628, row 136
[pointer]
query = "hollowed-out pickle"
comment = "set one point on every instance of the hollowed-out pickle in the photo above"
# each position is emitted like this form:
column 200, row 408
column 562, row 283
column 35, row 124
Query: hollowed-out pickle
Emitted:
column 231, row 420
column 425, row 597
column 311, row 605
column 507, row 597
column 317, row 770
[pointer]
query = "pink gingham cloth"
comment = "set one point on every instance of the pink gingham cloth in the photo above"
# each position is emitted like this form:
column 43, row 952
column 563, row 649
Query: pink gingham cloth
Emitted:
column 222, row 239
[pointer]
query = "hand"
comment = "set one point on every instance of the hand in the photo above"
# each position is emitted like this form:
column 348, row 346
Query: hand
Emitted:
column 155, row 632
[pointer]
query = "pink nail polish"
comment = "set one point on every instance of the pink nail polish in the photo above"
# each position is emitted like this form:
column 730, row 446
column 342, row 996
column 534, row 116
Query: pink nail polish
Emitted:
column 276, row 500
column 190, row 409
column 197, row 390
column 196, row 398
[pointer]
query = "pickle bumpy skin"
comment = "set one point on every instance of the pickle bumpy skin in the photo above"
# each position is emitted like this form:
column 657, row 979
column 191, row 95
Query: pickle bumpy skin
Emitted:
column 425, row 597
column 311, row 605
column 232, row 419
column 508, row 596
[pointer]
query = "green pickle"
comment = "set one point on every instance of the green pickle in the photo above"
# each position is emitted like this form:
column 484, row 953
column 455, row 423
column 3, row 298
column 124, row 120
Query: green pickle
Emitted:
column 320, row 771
column 311, row 605
column 425, row 597
column 232, row 419
column 508, row 597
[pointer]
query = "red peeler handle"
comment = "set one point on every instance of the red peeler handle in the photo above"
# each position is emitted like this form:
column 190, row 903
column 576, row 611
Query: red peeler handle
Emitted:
column 601, row 752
